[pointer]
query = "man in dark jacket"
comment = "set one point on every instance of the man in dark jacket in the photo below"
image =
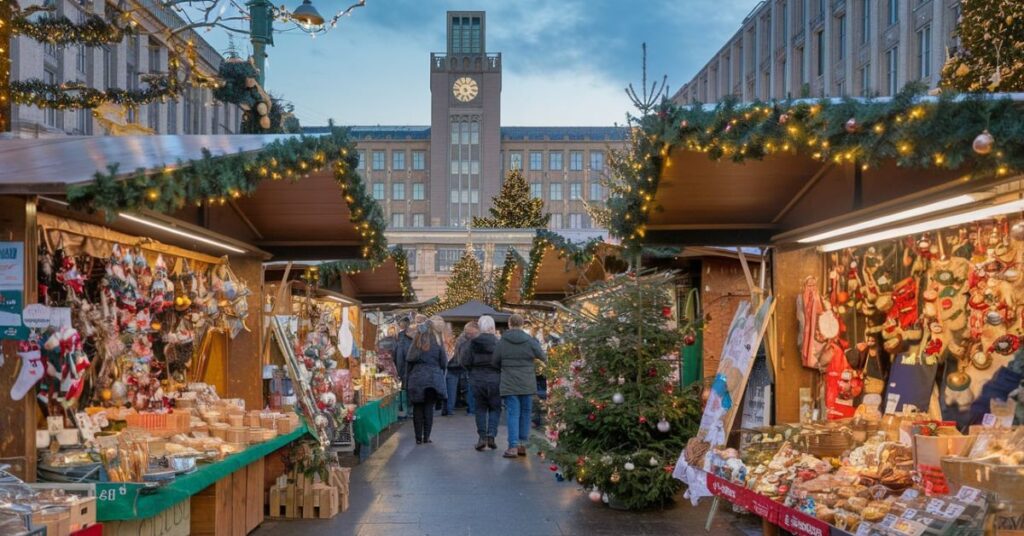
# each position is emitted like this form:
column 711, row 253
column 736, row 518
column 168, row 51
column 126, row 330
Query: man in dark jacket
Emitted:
column 483, row 380
column 514, row 358
column 402, row 349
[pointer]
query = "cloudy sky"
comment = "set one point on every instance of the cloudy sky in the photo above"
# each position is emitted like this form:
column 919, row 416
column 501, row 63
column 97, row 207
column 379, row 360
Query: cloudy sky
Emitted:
column 565, row 62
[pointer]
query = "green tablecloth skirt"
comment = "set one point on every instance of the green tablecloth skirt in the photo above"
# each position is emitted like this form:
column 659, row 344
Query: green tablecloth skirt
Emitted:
column 376, row 415
column 121, row 501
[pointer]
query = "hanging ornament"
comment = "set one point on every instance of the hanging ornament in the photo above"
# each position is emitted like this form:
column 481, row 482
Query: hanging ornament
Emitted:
column 554, row 468
column 728, row 127
column 653, row 461
column 783, row 119
column 595, row 495
column 664, row 426
column 643, row 420
column 684, row 123
column 1017, row 231
column 983, row 143
column 604, row 498
column 689, row 339
column 666, row 312
column 851, row 125
column 592, row 417
column 615, row 478
column 618, row 398
column 628, row 466
column 652, row 372
column 621, row 380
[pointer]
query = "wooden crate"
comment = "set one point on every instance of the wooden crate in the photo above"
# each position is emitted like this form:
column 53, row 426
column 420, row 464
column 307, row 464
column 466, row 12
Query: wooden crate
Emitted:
column 320, row 501
column 83, row 513
column 281, row 502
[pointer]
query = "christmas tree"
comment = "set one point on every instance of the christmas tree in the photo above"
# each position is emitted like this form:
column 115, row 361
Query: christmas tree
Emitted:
column 466, row 282
column 991, row 52
column 514, row 208
column 617, row 421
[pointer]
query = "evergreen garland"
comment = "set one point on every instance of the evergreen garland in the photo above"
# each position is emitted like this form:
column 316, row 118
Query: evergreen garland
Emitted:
column 60, row 31
column 330, row 272
column 514, row 207
column 906, row 129
column 503, row 282
column 579, row 254
column 214, row 180
column 76, row 95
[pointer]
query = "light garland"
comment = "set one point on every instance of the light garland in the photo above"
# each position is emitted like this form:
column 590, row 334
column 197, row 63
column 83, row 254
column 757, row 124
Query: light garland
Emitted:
column 579, row 254
column 61, row 31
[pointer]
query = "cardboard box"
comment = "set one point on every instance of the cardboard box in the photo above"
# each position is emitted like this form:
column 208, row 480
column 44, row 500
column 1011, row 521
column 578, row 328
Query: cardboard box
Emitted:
column 57, row 521
column 83, row 513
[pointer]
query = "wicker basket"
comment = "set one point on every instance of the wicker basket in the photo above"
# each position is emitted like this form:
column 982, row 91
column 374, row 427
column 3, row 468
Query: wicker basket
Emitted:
column 827, row 443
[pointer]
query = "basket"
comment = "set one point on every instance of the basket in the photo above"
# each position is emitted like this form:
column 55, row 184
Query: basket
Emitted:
column 964, row 472
column 160, row 424
column 828, row 443
column 344, row 440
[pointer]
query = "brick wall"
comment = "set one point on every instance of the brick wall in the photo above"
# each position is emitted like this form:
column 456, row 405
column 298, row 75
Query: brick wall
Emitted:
column 723, row 287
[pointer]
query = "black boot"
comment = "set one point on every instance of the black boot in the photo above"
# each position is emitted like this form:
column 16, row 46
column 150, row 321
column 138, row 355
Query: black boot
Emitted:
column 481, row 444
column 491, row 444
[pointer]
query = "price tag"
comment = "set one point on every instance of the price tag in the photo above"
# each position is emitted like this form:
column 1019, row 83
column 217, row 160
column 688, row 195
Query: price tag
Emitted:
column 935, row 507
column 891, row 402
column 100, row 419
column 55, row 424
column 968, row 494
column 888, row 520
column 864, row 529
column 988, row 421
column 909, row 513
column 954, row 510
column 111, row 493
column 86, row 425
column 909, row 494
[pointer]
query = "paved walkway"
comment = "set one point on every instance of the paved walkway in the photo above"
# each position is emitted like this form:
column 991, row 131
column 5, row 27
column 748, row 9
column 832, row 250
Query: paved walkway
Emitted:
column 448, row 489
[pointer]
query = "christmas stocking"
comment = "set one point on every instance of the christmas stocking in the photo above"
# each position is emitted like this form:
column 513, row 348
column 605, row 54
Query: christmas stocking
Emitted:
column 31, row 370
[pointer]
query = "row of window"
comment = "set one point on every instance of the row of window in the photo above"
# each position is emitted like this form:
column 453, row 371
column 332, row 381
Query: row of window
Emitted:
column 556, row 189
column 418, row 220
column 555, row 160
column 398, row 160
column 576, row 220
column 419, row 191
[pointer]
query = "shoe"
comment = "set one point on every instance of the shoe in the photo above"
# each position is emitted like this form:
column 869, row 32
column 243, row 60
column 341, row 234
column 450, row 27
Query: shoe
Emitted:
column 481, row 444
column 511, row 453
column 445, row 414
column 491, row 444
column 522, row 450
column 419, row 441
column 427, row 440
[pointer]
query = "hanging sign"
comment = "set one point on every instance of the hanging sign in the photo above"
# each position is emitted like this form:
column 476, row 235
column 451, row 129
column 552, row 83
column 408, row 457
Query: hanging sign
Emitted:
column 12, row 290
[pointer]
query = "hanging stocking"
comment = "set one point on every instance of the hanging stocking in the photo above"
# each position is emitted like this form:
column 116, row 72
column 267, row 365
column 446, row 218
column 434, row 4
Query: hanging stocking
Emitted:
column 31, row 370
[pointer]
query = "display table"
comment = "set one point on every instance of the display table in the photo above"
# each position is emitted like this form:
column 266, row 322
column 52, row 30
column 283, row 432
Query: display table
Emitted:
column 376, row 415
column 228, row 493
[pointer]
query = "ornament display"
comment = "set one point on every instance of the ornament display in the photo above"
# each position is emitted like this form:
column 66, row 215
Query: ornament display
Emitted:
column 664, row 426
column 629, row 466
column 983, row 143
column 595, row 495
column 615, row 478
column 851, row 125
column 618, row 398
column 689, row 339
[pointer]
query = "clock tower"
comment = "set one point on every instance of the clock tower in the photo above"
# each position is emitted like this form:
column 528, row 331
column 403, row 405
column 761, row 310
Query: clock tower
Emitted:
column 465, row 123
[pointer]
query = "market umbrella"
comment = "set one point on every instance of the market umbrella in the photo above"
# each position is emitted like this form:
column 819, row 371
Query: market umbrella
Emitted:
column 473, row 310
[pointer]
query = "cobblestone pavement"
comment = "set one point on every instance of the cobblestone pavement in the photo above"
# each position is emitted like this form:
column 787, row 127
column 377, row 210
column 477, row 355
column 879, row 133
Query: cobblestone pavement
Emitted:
column 448, row 489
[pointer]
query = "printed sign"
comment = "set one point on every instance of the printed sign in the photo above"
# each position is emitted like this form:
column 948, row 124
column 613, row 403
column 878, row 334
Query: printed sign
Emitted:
column 763, row 507
column 728, row 491
column 12, row 290
column 802, row 524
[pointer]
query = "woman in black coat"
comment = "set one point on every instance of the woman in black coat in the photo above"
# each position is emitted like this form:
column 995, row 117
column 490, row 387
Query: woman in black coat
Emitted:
column 426, row 383
column 484, row 378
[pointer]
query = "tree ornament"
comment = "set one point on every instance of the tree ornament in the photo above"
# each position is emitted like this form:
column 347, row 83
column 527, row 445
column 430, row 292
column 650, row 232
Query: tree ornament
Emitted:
column 664, row 426
column 983, row 143
column 618, row 398
column 628, row 466
column 653, row 461
column 1017, row 231
column 615, row 478
column 684, row 123
column 666, row 312
column 265, row 122
column 689, row 339
column 604, row 498
column 622, row 380
column 262, row 108
column 728, row 127
column 553, row 467
column 642, row 419
column 595, row 495
column 592, row 417
column 783, row 119
column 652, row 372
column 851, row 125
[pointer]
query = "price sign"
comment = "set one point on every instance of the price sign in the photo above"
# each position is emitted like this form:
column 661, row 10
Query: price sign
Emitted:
column 802, row 524
column 968, row 494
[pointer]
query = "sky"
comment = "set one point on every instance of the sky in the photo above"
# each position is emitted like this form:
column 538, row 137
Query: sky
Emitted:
column 565, row 62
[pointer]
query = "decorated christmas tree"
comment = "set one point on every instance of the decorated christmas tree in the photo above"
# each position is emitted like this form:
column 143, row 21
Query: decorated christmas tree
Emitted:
column 514, row 208
column 991, row 52
column 466, row 282
column 617, row 419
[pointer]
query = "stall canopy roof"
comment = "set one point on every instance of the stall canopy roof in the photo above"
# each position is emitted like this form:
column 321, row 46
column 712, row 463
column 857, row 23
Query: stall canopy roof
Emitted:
column 473, row 310
column 380, row 283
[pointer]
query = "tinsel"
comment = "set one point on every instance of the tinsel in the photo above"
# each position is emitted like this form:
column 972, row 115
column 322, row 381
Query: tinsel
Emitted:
column 905, row 129
column 214, row 180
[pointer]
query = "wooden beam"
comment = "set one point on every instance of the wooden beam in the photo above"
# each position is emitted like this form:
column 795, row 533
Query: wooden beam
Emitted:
column 245, row 219
column 807, row 187
column 709, row 237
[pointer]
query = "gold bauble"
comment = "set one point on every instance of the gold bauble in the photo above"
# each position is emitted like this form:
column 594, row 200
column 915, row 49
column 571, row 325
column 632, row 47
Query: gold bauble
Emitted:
column 616, row 477
column 265, row 122
column 958, row 381
column 155, row 326
column 105, row 395
column 983, row 143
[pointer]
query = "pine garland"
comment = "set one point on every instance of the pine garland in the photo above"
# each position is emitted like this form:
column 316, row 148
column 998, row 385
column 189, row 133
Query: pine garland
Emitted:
column 579, row 254
column 331, row 272
column 62, row 32
column 503, row 282
column 77, row 95
column 905, row 129
column 214, row 180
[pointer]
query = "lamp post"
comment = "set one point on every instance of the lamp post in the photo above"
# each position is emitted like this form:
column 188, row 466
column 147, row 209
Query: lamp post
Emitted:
column 261, row 33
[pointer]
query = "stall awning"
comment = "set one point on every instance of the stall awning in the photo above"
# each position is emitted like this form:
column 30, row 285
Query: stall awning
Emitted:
column 473, row 310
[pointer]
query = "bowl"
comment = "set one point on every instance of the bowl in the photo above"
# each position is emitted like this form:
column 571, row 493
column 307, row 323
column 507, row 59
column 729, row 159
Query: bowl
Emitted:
column 181, row 463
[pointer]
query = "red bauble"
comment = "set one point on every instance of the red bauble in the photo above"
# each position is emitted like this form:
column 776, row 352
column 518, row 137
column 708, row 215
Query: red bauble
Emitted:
column 321, row 406
column 666, row 312
column 592, row 417
column 600, row 407
column 689, row 339
column 553, row 467
column 642, row 419
column 308, row 362
column 653, row 372
column 684, row 123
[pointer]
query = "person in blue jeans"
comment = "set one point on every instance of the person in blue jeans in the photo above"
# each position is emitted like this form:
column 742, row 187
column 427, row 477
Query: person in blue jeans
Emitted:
column 515, row 358
column 457, row 371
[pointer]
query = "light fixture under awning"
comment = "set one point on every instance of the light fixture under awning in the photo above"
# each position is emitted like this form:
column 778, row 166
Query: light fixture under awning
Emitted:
column 895, row 217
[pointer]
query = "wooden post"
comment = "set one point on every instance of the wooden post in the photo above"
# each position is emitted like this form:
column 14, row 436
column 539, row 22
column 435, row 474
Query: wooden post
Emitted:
column 18, row 420
column 244, row 367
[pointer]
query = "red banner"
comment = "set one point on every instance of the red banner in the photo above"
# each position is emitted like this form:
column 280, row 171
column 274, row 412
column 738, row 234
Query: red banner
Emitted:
column 800, row 523
column 727, row 490
column 763, row 507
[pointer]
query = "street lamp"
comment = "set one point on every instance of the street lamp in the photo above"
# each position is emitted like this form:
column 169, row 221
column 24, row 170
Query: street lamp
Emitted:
column 308, row 18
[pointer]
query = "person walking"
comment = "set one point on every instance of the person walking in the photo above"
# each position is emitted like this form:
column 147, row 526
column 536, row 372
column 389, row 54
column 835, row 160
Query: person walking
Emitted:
column 427, row 359
column 402, row 344
column 514, row 358
column 457, row 372
column 484, row 381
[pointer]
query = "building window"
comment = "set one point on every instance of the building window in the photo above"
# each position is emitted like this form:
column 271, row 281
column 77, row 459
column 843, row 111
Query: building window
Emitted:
column 555, row 191
column 865, row 80
column 575, row 221
column 378, row 160
column 841, row 49
column 172, row 117
column 447, row 257
column 537, row 190
column 555, row 161
column 891, row 64
column 784, row 7
column 153, row 111
column 924, row 52
column 378, row 191
column 596, row 192
column 465, row 35
column 536, row 161
column 419, row 191
column 397, row 160
column 576, row 191
column 515, row 160
column 361, row 162
column 865, row 21
column 419, row 220
column 398, row 220
column 803, row 14
column 419, row 160
column 398, row 191
column 410, row 254
column 894, row 12
column 575, row 160
column 596, row 160
column 819, row 39
column 556, row 221
column 50, row 116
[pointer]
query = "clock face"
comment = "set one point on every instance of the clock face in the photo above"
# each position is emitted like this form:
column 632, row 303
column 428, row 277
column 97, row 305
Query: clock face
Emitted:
column 465, row 89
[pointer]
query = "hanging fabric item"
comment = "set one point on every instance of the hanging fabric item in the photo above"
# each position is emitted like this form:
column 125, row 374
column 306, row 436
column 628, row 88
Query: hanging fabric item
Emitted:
column 842, row 383
column 809, row 308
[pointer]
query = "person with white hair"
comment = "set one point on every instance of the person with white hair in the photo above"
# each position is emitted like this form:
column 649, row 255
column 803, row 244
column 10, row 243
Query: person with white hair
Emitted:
column 484, row 380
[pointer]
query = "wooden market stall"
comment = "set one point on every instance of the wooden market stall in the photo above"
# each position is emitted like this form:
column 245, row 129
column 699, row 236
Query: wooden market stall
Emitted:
column 188, row 210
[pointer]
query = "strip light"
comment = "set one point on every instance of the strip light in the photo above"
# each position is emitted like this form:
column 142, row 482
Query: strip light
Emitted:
column 179, row 232
column 930, row 225
column 923, row 210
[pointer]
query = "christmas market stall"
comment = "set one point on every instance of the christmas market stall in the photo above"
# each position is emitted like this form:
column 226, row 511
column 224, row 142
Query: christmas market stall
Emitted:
column 131, row 366
column 891, row 315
